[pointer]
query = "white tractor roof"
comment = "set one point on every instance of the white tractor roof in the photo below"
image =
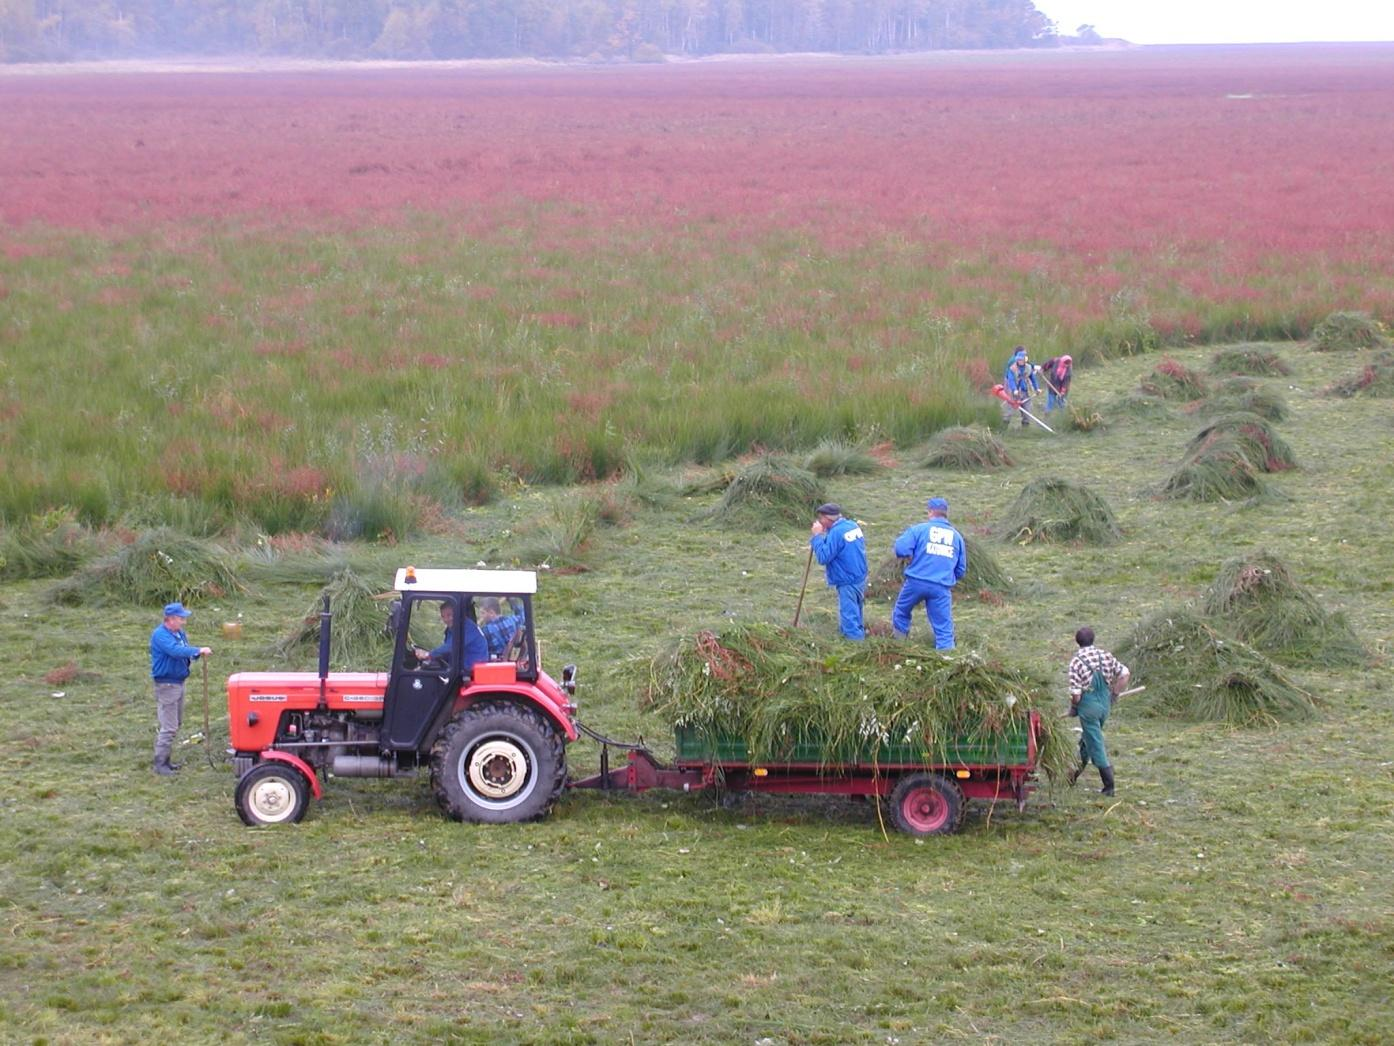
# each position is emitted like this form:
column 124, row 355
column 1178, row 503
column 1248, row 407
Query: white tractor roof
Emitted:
column 475, row 582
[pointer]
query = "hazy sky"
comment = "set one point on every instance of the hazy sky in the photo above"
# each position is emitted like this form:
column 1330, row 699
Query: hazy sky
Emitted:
column 1225, row 21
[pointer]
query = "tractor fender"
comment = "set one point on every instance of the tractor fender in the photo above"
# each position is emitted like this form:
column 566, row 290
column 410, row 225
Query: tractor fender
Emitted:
column 294, row 760
column 535, row 696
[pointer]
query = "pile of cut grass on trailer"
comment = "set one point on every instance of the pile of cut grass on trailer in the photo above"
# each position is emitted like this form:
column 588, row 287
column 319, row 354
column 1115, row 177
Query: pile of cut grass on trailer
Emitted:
column 1256, row 598
column 985, row 578
column 158, row 567
column 1248, row 359
column 1170, row 380
column 769, row 492
column 1253, row 435
column 968, row 449
column 1194, row 672
column 773, row 687
column 1375, row 379
column 1053, row 509
column 1346, row 331
column 359, row 636
column 835, row 457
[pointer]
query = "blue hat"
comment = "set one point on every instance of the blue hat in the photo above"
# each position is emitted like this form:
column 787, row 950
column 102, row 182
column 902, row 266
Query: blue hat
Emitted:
column 938, row 503
column 1020, row 353
column 176, row 610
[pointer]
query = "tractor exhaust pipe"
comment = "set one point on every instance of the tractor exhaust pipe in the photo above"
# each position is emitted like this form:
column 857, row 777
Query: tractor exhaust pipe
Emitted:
column 362, row 766
column 325, row 618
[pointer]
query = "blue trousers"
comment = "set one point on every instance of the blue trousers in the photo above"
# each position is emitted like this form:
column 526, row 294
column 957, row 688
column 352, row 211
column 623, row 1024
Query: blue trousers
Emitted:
column 850, row 601
column 1054, row 400
column 938, row 608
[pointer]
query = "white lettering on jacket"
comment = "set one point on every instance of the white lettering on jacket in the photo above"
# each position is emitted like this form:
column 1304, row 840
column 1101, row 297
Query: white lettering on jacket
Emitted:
column 853, row 534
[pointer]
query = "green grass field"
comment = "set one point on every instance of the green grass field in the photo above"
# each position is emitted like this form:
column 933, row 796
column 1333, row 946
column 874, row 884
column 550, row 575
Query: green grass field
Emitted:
column 1236, row 889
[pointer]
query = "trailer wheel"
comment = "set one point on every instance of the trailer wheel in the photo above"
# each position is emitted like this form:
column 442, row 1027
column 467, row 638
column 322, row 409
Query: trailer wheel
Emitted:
column 927, row 804
column 272, row 793
column 496, row 763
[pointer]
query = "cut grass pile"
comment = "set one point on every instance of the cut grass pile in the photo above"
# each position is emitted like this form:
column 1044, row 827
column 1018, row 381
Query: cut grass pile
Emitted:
column 1344, row 331
column 1232, row 398
column 985, row 578
column 1256, row 598
column 51, row 545
column 773, row 687
column 560, row 539
column 1248, row 359
column 1375, row 379
column 315, row 563
column 771, row 491
column 968, row 449
column 1170, row 380
column 1252, row 435
column 835, row 457
column 158, row 567
column 359, row 637
column 1193, row 672
column 1052, row 509
column 1139, row 405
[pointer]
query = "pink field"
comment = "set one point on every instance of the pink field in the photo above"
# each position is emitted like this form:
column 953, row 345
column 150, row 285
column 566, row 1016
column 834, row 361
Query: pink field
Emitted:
column 1246, row 151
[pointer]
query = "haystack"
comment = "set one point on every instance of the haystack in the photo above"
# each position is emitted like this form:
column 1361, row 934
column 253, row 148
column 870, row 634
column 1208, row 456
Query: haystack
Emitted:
column 1257, row 599
column 1170, row 380
column 1139, row 404
column 1252, row 435
column 1193, row 672
column 1248, row 359
column 771, row 491
column 1222, row 472
column 158, row 567
column 1344, row 331
column 985, row 578
column 1053, row 509
column 314, row 564
column 774, row 687
column 359, row 636
column 52, row 545
column 835, row 457
column 1375, row 379
column 1266, row 403
column 967, row 449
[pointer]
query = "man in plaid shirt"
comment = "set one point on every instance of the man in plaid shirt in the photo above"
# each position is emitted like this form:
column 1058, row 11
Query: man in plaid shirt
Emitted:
column 498, row 628
column 1095, row 677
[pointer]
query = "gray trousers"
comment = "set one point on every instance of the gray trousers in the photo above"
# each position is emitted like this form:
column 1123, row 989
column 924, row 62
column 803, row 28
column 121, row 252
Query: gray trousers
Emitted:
column 169, row 716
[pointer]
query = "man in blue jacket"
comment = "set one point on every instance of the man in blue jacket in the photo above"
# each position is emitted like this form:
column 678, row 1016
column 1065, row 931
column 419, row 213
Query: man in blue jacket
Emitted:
column 170, row 655
column 476, row 649
column 1019, row 382
column 937, row 560
column 840, row 546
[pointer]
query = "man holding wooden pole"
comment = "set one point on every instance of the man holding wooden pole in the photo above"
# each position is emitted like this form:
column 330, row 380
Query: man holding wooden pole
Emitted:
column 840, row 546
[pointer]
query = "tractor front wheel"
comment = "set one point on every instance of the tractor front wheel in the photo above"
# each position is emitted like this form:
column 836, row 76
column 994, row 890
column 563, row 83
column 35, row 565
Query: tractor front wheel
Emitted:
column 272, row 793
column 927, row 804
column 497, row 763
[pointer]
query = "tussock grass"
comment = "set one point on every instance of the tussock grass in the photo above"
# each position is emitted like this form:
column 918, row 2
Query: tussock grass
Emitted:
column 773, row 687
column 1085, row 420
column 1170, row 380
column 1193, row 672
column 1344, row 331
column 314, row 564
column 1256, row 598
column 159, row 566
column 1248, row 359
column 562, row 538
column 1375, row 379
column 769, row 492
column 835, row 457
column 1052, row 509
column 699, row 482
column 985, row 578
column 359, row 637
column 968, row 449
column 1252, row 435
column 51, row 545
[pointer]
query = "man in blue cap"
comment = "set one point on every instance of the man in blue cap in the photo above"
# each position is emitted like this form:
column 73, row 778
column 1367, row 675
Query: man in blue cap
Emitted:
column 840, row 546
column 1019, row 382
column 170, row 655
column 937, row 560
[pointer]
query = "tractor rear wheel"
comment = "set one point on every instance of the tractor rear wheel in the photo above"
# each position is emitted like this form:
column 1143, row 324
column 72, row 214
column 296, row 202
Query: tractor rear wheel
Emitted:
column 927, row 804
column 272, row 793
column 498, row 762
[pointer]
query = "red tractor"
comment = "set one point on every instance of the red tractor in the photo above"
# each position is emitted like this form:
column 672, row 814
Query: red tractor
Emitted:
column 492, row 730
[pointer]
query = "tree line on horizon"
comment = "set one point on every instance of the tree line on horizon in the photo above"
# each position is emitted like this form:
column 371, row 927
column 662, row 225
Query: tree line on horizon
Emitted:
column 635, row 30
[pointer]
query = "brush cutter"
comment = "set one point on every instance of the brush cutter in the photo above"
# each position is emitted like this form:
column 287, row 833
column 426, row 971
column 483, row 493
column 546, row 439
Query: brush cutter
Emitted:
column 1001, row 393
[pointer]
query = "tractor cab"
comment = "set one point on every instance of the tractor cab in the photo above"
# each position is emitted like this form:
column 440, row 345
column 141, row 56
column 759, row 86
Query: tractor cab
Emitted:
column 453, row 629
